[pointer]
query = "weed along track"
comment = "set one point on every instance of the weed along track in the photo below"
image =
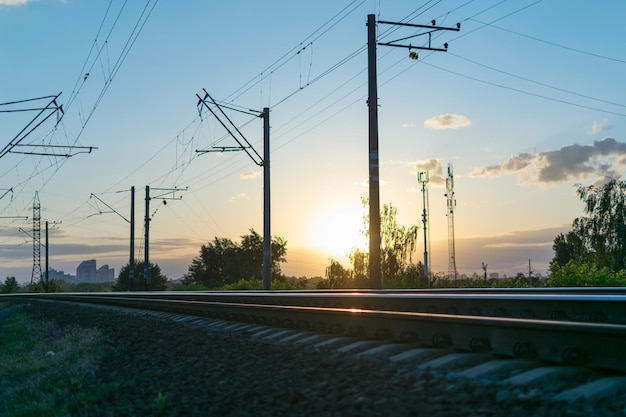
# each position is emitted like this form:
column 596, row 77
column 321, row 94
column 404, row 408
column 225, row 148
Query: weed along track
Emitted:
column 261, row 353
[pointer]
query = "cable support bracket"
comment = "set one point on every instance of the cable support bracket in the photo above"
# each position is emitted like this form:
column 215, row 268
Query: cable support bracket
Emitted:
column 235, row 133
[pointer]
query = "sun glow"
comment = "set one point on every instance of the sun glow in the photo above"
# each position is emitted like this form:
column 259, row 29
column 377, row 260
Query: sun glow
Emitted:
column 338, row 230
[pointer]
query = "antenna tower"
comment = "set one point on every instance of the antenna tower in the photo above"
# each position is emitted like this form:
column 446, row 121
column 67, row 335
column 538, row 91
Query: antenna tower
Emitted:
column 452, row 273
column 422, row 178
column 36, row 276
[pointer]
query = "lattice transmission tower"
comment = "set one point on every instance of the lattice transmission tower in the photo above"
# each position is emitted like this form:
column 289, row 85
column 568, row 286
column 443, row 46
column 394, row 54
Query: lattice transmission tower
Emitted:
column 36, row 276
column 452, row 273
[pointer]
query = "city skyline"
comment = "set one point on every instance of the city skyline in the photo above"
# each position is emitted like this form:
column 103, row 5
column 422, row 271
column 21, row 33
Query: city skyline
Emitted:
column 526, row 103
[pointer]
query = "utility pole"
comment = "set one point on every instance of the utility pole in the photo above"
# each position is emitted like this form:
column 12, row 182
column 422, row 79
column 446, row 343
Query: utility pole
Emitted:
column 147, row 219
column 131, row 262
column 267, row 234
column 244, row 145
column 372, row 102
column 374, row 172
column 47, row 268
column 146, row 245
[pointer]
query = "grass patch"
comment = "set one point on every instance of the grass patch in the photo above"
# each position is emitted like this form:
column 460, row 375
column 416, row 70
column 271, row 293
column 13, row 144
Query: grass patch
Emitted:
column 46, row 369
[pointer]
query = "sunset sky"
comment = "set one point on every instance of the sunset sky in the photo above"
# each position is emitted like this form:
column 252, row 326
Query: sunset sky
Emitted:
column 528, row 101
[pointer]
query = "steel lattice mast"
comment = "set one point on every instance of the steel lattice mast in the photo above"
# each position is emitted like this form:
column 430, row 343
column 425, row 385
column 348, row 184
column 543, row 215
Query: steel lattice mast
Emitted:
column 36, row 275
column 452, row 273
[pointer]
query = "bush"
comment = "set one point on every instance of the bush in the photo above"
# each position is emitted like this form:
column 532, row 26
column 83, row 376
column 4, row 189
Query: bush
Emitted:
column 575, row 274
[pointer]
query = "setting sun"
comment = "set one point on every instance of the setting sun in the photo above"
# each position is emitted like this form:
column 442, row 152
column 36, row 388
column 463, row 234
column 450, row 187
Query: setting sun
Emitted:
column 338, row 230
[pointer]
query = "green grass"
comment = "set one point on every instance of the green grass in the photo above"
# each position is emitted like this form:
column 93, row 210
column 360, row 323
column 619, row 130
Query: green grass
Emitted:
column 45, row 369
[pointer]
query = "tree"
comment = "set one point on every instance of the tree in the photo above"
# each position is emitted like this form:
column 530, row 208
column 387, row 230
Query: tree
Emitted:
column 576, row 274
column 10, row 286
column 40, row 286
column 360, row 265
column 569, row 247
column 216, row 262
column 600, row 237
column 397, row 243
column 222, row 262
column 396, row 248
column 336, row 277
column 158, row 281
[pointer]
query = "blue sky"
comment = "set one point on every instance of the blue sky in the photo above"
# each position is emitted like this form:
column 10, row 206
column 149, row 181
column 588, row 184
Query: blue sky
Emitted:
column 527, row 102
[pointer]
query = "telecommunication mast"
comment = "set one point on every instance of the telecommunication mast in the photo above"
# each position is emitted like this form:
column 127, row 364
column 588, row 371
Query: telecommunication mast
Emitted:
column 452, row 273
column 422, row 178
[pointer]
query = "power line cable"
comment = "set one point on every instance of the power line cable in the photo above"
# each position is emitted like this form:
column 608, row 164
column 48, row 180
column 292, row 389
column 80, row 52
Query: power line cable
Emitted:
column 525, row 92
column 621, row 61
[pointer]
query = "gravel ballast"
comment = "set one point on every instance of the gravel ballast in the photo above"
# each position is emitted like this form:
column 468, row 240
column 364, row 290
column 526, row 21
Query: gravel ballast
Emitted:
column 157, row 366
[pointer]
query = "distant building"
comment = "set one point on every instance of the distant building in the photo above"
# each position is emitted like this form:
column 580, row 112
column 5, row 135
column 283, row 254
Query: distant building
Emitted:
column 105, row 274
column 86, row 271
column 53, row 274
column 494, row 275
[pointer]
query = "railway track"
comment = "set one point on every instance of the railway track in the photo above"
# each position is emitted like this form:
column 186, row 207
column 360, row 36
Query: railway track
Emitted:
column 580, row 327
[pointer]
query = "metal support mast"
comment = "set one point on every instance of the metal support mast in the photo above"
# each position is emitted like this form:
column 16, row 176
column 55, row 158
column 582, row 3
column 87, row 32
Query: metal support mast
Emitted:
column 146, row 250
column 47, row 275
column 422, row 177
column 372, row 102
column 131, row 263
column 374, row 186
column 267, row 234
column 244, row 145
column 146, row 247
column 36, row 275
column 452, row 273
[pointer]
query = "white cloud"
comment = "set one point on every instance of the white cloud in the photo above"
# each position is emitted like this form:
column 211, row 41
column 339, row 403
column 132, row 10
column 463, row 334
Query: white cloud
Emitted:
column 434, row 168
column 250, row 175
column 572, row 162
column 240, row 196
column 448, row 121
column 13, row 2
column 598, row 127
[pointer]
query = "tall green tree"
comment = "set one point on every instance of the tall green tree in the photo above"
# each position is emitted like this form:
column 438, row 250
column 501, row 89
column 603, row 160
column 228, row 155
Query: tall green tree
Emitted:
column 337, row 277
column 397, row 244
column 158, row 281
column 600, row 236
column 215, row 264
column 10, row 286
column 576, row 274
column 222, row 261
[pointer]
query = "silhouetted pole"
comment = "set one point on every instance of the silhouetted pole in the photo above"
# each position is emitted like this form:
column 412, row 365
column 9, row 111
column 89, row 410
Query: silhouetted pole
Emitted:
column 372, row 102
column 47, row 269
column 423, row 178
column 146, row 260
column 131, row 262
column 374, row 191
column 267, row 236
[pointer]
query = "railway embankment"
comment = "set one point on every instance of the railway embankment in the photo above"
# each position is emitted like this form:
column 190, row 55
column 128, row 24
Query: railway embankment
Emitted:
column 99, row 361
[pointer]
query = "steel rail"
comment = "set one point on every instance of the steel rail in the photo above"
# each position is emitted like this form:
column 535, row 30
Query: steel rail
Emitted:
column 579, row 306
column 594, row 345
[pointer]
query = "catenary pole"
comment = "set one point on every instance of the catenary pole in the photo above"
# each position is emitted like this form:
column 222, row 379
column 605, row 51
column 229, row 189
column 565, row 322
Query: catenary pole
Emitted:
column 267, row 235
column 372, row 102
column 374, row 190
column 146, row 260
column 47, row 266
column 131, row 262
